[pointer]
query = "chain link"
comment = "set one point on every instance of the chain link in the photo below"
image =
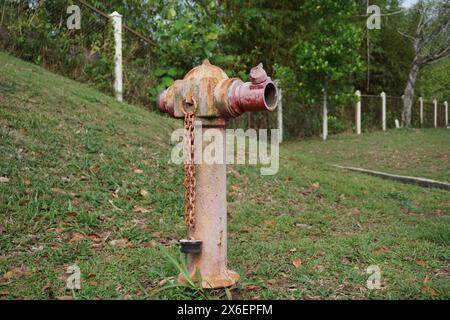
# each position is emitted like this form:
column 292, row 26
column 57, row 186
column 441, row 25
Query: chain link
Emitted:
column 189, row 167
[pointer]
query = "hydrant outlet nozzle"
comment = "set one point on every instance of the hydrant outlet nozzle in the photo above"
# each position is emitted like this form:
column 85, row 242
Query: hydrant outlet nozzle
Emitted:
column 233, row 97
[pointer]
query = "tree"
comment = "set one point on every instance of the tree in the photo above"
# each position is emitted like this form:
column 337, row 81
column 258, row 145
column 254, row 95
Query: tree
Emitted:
column 388, row 53
column 434, row 81
column 431, row 42
column 328, row 54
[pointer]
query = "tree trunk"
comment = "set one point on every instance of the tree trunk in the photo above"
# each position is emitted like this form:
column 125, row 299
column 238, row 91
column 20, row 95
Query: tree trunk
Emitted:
column 409, row 94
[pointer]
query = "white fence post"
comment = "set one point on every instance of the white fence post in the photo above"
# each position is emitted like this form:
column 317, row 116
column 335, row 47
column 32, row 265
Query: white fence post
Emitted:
column 383, row 111
column 280, row 111
column 435, row 113
column 446, row 113
column 421, row 110
column 118, row 79
column 358, row 112
column 325, row 116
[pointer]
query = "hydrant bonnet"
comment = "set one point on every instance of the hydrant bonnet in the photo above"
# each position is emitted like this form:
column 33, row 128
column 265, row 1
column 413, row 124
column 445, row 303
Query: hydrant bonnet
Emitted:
column 218, row 95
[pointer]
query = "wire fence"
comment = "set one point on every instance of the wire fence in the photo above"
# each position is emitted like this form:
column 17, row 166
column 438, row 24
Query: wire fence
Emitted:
column 37, row 31
column 342, row 118
column 82, row 54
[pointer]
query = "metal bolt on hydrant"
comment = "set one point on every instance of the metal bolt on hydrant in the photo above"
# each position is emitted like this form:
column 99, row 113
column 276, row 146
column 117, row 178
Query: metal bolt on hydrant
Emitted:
column 207, row 93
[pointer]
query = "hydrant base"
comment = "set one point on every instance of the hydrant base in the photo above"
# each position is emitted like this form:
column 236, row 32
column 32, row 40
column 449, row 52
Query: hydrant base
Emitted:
column 227, row 279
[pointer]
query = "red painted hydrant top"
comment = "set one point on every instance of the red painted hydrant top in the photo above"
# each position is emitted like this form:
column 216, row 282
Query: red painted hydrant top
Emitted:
column 217, row 95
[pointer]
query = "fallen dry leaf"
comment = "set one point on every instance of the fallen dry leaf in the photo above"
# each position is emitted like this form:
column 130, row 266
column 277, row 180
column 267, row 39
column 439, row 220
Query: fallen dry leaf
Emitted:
column 156, row 234
column 297, row 263
column 301, row 225
column 4, row 179
column 292, row 288
column 319, row 268
column 4, row 293
column 8, row 275
column 64, row 298
column 119, row 242
column 143, row 193
column 17, row 273
column 71, row 214
column 151, row 244
column 428, row 290
column 27, row 182
column 381, row 250
column 139, row 171
column 269, row 222
column 56, row 190
column 95, row 237
column 77, row 237
column 23, row 271
column 139, row 209
column 421, row 263
column 251, row 287
column 94, row 169
column 306, row 192
column 115, row 194
column 315, row 185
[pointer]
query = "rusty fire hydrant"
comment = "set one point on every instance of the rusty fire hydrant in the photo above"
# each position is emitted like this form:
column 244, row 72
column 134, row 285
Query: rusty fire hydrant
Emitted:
column 208, row 94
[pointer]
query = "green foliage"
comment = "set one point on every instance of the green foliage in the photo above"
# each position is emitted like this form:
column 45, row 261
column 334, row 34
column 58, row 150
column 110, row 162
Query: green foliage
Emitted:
column 307, row 44
column 40, row 35
column 166, row 77
column 328, row 54
column 325, row 53
column 434, row 81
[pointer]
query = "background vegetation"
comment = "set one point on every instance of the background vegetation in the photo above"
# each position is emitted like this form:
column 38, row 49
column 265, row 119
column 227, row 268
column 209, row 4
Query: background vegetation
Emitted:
column 308, row 44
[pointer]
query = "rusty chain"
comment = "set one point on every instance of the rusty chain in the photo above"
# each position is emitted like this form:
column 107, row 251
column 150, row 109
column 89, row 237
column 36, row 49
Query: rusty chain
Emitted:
column 189, row 167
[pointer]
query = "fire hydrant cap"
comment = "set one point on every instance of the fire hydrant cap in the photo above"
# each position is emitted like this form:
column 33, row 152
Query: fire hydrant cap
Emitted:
column 206, row 70
column 258, row 74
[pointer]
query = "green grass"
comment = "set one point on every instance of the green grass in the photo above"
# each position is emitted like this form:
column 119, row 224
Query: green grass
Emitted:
column 76, row 162
column 416, row 152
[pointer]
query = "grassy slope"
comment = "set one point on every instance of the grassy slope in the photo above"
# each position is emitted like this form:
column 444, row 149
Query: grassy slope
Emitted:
column 77, row 161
